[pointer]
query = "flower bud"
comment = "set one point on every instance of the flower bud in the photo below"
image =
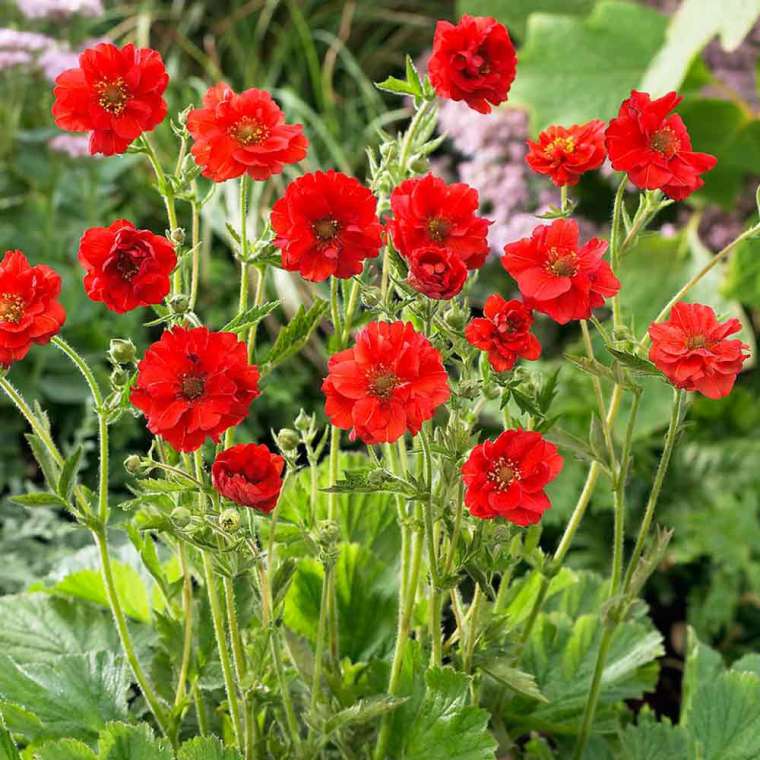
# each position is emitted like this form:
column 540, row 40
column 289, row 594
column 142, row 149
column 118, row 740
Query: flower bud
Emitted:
column 179, row 304
column 304, row 421
column 177, row 236
column 455, row 318
column 181, row 517
column 288, row 439
column 371, row 297
column 119, row 378
column 122, row 351
column 132, row 464
column 469, row 389
column 229, row 520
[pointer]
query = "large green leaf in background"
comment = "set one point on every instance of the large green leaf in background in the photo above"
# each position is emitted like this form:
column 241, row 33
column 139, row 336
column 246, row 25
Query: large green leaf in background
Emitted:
column 692, row 26
column 119, row 741
column 574, row 69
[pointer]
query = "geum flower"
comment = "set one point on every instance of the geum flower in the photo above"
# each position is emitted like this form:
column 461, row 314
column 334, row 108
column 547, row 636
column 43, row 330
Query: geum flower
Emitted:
column 29, row 308
column 504, row 332
column 566, row 153
column 116, row 94
column 506, row 477
column 126, row 267
column 693, row 351
column 388, row 384
column 246, row 133
column 654, row 149
column 326, row 225
column 250, row 475
column 192, row 385
column 436, row 272
column 427, row 211
column 473, row 61
column 556, row 275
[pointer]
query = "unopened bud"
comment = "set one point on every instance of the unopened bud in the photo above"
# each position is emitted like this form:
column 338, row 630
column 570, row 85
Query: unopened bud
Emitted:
column 179, row 304
column 122, row 351
column 132, row 464
column 455, row 318
column 288, row 439
column 181, row 517
column 177, row 235
column 371, row 297
column 304, row 421
column 119, row 378
column 229, row 520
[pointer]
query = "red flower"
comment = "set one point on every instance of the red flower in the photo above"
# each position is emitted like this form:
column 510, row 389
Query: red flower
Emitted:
column 126, row 267
column 654, row 148
column 115, row 95
column 473, row 61
column 556, row 276
column 246, row 133
column 566, row 153
column 326, row 224
column 506, row 477
column 504, row 333
column 391, row 381
column 437, row 272
column 427, row 211
column 193, row 385
column 29, row 309
column 250, row 475
column 691, row 350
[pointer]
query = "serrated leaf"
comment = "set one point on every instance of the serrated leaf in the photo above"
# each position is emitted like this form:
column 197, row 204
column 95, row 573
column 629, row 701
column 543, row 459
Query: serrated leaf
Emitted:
column 120, row 741
column 294, row 336
column 73, row 696
column 38, row 499
column 159, row 485
column 634, row 363
column 68, row 474
column 8, row 748
column 517, row 680
column 250, row 317
column 49, row 468
column 396, row 86
column 370, row 481
column 361, row 712
column 206, row 748
column 64, row 749
column 650, row 740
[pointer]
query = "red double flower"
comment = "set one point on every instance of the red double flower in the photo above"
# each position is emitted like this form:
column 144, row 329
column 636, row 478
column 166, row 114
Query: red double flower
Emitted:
column 29, row 308
column 558, row 276
column 654, row 148
column 436, row 272
column 473, row 61
column 193, row 385
column 116, row 94
column 250, row 475
column 693, row 351
column 389, row 383
column 566, row 153
column 504, row 332
column 506, row 477
column 244, row 133
column 326, row 225
column 126, row 267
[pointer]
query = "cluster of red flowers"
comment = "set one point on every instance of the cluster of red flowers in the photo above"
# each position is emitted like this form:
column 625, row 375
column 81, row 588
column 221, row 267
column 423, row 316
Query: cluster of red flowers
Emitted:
column 195, row 384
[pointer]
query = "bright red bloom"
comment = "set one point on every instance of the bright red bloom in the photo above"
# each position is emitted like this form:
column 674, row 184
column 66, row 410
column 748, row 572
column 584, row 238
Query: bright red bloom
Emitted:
column 326, row 224
column 391, row 381
column 115, row 95
column 504, row 332
column 126, row 267
column 193, row 385
column 565, row 153
column 29, row 309
column 427, row 211
column 250, row 475
column 506, row 477
column 558, row 277
column 654, row 148
column 246, row 133
column 691, row 349
column 436, row 272
column 473, row 61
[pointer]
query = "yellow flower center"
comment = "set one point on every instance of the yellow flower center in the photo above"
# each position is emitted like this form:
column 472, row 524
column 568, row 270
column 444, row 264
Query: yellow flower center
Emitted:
column 564, row 144
column 11, row 308
column 112, row 95
column 438, row 229
column 503, row 473
column 326, row 229
column 382, row 384
column 665, row 141
column 192, row 386
column 562, row 263
column 249, row 131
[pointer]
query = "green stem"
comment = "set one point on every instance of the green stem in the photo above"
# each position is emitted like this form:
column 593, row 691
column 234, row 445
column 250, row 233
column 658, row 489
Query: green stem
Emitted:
column 563, row 198
column 187, row 613
column 332, row 514
column 200, row 710
column 319, row 650
column 353, row 298
column 196, row 252
column 244, row 283
column 617, row 216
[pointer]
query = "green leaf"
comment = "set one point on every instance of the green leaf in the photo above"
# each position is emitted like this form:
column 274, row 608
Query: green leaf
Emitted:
column 703, row 665
column 396, row 86
column 250, row 317
column 206, row 748
column 65, row 749
column 742, row 281
column 362, row 711
column 634, row 363
column 73, row 696
column 41, row 628
column 517, row 680
column 294, row 336
column 691, row 27
column 38, row 499
column 370, row 481
column 572, row 70
column 88, row 585
column 443, row 726
column 68, row 474
column 48, row 466
column 8, row 748
column 119, row 741
column 650, row 740
column 515, row 13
